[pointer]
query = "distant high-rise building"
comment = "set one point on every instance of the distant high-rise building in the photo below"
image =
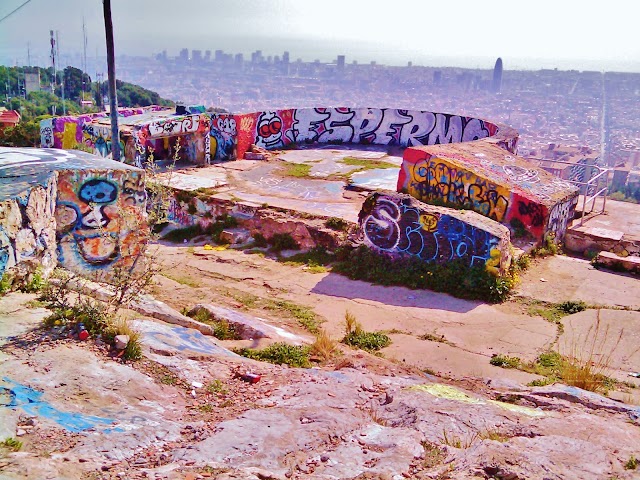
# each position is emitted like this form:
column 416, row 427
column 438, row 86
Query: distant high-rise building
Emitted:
column 239, row 59
column 285, row 57
column 497, row 76
column 196, row 55
column 207, row 55
column 340, row 62
column 184, row 54
column 219, row 56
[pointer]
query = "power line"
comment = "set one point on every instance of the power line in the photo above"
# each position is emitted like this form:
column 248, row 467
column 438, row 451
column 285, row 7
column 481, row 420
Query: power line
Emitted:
column 14, row 11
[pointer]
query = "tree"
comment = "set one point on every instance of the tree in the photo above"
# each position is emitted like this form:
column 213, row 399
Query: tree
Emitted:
column 74, row 82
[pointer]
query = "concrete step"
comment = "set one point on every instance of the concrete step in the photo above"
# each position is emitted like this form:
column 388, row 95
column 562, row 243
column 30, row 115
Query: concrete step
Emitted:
column 630, row 263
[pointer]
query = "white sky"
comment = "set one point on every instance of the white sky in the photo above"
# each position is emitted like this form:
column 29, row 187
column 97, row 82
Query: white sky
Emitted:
column 582, row 34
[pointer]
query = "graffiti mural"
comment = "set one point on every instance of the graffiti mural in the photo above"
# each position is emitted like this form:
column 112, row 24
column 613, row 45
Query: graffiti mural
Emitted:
column 223, row 137
column 101, row 220
column 560, row 217
column 436, row 180
column 195, row 129
column 483, row 179
column 380, row 126
column 399, row 224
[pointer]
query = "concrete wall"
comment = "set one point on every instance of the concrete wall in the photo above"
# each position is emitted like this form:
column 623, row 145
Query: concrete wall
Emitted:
column 380, row 126
column 401, row 225
column 68, row 207
column 487, row 179
column 77, row 132
column 195, row 128
column 28, row 231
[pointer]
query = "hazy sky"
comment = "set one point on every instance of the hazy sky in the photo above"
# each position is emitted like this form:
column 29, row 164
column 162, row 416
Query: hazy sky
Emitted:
column 580, row 34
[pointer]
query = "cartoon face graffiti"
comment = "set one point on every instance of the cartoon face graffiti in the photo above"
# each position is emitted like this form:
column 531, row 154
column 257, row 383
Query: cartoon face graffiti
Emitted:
column 100, row 219
column 269, row 130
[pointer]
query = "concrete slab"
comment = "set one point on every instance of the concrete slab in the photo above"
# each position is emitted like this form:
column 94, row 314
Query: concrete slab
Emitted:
column 205, row 178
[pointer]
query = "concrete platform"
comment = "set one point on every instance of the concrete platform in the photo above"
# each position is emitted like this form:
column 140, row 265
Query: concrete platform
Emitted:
column 617, row 230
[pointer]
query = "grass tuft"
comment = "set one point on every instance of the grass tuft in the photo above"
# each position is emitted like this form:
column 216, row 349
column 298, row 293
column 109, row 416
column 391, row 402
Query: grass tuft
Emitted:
column 279, row 353
column 323, row 347
column 355, row 336
column 504, row 361
column 12, row 444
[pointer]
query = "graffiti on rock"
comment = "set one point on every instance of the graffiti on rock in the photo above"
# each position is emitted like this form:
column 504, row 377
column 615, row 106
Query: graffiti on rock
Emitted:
column 399, row 225
column 31, row 402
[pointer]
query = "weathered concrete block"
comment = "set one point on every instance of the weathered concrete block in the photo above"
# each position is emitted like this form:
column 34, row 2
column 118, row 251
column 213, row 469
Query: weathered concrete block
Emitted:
column 83, row 211
column 491, row 181
column 27, row 224
column 401, row 225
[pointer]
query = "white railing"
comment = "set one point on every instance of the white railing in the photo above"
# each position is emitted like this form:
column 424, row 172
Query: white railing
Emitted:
column 592, row 189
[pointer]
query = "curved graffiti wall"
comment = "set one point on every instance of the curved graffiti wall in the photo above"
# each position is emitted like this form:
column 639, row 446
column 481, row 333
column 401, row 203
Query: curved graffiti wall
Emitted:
column 401, row 225
column 276, row 129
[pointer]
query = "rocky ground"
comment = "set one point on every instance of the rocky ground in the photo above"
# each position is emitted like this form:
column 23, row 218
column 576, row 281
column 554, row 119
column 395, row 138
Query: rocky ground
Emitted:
column 184, row 411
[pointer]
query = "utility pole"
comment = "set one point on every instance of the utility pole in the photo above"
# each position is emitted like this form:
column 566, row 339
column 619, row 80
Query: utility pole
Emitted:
column 111, row 72
column 64, row 107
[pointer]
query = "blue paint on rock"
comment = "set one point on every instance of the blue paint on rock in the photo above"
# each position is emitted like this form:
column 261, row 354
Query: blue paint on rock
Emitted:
column 30, row 401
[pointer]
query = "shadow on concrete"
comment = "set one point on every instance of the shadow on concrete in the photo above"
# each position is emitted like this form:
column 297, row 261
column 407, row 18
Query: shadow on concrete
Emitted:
column 335, row 285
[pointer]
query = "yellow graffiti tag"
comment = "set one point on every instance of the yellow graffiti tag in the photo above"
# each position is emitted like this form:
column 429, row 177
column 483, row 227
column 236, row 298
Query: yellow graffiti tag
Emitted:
column 429, row 222
column 69, row 135
column 493, row 263
column 246, row 123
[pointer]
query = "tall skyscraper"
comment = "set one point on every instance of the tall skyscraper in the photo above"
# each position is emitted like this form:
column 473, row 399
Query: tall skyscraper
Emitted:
column 340, row 62
column 497, row 76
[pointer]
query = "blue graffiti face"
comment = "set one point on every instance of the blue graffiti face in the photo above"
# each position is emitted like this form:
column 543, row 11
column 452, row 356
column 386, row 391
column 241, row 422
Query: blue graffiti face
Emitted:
column 98, row 191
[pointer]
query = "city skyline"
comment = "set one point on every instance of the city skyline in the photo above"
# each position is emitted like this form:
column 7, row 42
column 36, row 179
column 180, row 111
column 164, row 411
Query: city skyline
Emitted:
column 542, row 35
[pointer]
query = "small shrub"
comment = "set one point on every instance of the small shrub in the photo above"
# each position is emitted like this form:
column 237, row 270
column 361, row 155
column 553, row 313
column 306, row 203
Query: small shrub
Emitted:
column 571, row 306
column 222, row 329
column 548, row 248
column 338, row 224
column 12, row 444
column 631, row 464
column 523, row 262
column 36, row 283
column 259, row 240
column 519, row 229
column 504, row 361
column 356, row 337
column 179, row 235
column 369, row 341
column 217, row 387
column 283, row 241
column 279, row 353
column 455, row 277
column 6, row 283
